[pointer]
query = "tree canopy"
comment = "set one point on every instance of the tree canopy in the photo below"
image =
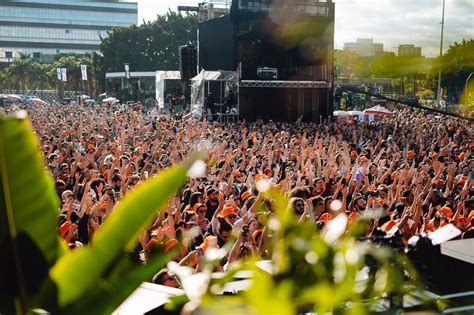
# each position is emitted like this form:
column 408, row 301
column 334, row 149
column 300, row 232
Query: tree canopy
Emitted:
column 457, row 63
column 150, row 46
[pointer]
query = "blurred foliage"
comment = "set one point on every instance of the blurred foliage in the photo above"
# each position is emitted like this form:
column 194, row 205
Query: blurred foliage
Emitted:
column 38, row 272
column 316, row 272
column 25, row 215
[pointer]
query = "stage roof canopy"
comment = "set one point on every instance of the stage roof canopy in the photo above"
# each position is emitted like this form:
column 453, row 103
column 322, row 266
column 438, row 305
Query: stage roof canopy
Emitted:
column 220, row 75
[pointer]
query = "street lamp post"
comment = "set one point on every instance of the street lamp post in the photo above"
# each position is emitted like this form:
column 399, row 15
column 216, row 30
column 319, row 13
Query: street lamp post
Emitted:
column 467, row 81
column 438, row 94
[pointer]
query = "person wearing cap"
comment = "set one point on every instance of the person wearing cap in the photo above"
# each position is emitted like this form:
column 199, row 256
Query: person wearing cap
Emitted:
column 229, row 214
column 245, row 196
column 69, row 232
column 411, row 155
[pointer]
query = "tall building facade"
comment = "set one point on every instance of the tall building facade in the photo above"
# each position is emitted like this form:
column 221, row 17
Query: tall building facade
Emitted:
column 364, row 47
column 409, row 51
column 44, row 28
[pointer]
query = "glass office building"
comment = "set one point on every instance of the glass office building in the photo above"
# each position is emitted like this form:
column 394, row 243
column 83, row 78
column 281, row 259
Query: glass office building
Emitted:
column 44, row 28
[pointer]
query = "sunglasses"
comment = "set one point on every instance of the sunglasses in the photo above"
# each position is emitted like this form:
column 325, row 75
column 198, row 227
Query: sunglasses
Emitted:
column 201, row 211
column 231, row 216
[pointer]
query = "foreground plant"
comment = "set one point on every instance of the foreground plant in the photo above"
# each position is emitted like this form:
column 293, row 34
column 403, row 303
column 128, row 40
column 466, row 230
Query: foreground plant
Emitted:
column 310, row 271
column 37, row 271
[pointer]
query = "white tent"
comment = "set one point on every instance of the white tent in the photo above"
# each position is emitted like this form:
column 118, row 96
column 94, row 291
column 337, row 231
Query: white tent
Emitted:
column 198, row 83
column 14, row 97
column 339, row 113
column 161, row 77
column 109, row 101
column 378, row 110
column 38, row 101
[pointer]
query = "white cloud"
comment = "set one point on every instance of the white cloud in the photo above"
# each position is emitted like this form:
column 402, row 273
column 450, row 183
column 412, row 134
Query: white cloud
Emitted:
column 391, row 22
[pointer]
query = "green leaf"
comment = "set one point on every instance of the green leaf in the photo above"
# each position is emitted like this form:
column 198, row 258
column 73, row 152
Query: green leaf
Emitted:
column 28, row 215
column 79, row 271
column 124, row 279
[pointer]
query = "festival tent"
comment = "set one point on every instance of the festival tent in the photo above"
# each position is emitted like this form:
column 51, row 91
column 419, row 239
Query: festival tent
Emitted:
column 349, row 116
column 378, row 110
column 109, row 100
column 38, row 101
column 339, row 113
column 14, row 97
column 161, row 79
column 355, row 113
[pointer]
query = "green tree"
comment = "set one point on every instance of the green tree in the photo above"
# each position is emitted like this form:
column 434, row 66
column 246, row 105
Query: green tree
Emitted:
column 73, row 65
column 96, row 74
column 20, row 70
column 456, row 65
column 150, row 46
column 40, row 77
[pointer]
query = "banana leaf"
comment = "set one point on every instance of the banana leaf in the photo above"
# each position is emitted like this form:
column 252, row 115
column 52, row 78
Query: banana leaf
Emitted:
column 28, row 216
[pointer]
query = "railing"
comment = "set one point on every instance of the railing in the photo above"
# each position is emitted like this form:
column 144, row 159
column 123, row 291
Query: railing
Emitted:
column 308, row 7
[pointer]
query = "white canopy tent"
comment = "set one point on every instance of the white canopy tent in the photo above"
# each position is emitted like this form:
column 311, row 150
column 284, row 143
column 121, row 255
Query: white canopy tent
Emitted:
column 198, row 83
column 161, row 77
column 339, row 113
column 378, row 110
column 354, row 114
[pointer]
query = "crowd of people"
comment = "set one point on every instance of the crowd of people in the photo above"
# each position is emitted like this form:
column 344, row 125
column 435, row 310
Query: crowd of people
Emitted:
column 413, row 167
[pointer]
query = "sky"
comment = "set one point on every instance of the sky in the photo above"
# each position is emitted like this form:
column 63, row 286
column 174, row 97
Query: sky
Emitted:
column 391, row 22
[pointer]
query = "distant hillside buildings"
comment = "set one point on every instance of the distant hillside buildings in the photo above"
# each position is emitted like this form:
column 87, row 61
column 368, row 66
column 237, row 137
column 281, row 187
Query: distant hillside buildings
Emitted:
column 364, row 47
column 409, row 51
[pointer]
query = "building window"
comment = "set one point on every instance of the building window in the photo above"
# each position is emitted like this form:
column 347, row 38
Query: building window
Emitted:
column 67, row 31
column 8, row 54
column 36, row 55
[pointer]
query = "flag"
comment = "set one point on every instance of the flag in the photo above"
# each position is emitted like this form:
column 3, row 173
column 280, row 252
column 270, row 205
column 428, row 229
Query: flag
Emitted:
column 84, row 72
column 58, row 72
column 63, row 74
column 127, row 71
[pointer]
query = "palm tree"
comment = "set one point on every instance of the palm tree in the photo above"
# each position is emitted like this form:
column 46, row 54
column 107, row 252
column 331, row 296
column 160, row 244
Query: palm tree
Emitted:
column 41, row 76
column 21, row 69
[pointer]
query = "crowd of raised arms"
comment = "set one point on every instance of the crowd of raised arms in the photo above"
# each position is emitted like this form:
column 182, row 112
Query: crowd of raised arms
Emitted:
column 414, row 166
